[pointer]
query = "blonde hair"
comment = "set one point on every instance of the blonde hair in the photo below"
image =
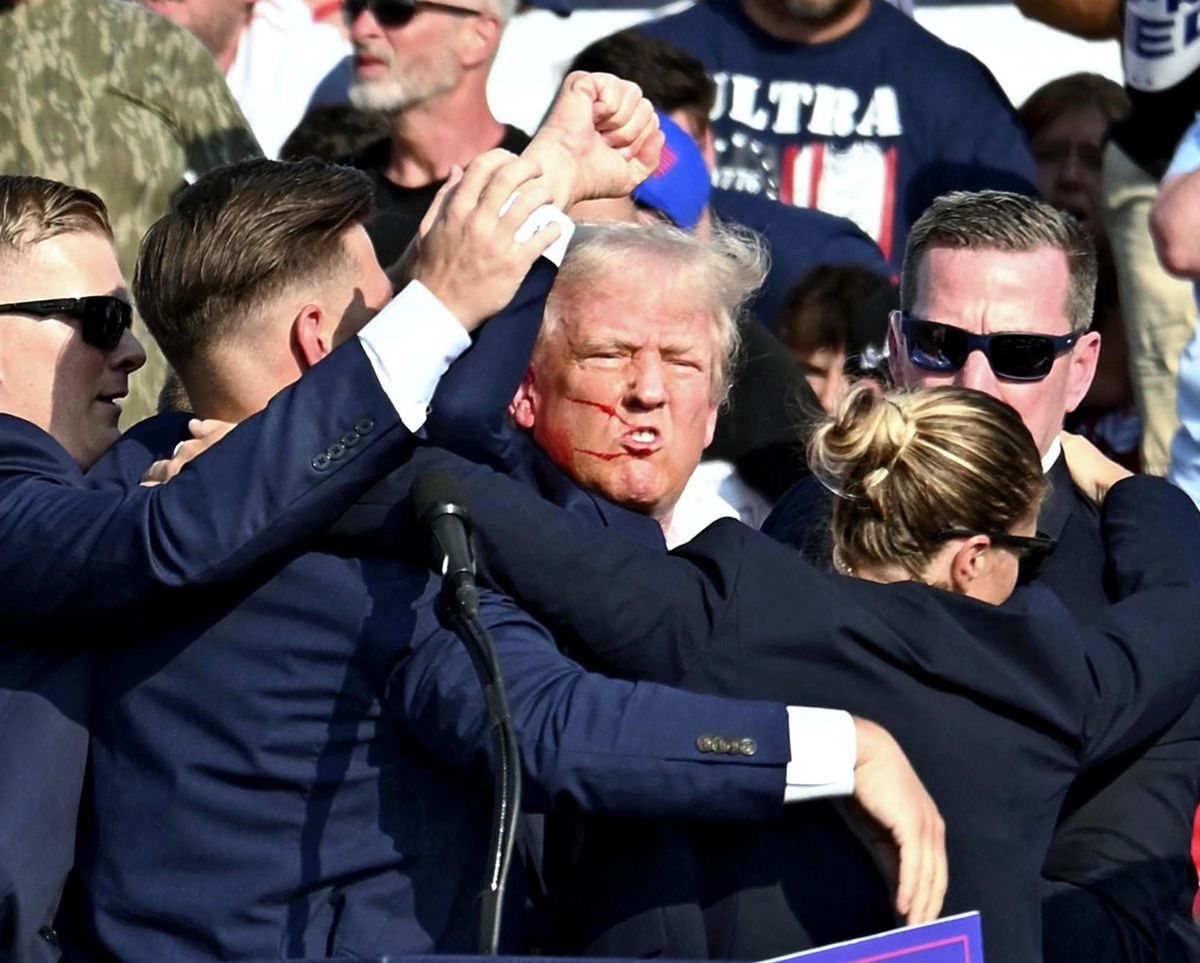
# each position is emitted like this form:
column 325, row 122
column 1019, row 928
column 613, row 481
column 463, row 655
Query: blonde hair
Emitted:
column 722, row 271
column 34, row 209
column 906, row 466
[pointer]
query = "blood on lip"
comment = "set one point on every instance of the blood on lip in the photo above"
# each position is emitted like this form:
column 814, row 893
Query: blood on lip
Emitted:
column 612, row 413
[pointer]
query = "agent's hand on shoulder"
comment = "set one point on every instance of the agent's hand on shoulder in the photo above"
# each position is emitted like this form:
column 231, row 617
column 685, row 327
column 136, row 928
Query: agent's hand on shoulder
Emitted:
column 205, row 434
column 1093, row 472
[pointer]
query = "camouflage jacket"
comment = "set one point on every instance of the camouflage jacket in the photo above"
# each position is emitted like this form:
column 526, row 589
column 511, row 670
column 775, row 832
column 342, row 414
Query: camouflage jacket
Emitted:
column 105, row 94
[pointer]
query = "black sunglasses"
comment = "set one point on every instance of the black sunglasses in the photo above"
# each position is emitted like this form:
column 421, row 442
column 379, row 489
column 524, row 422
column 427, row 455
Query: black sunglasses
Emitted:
column 396, row 13
column 933, row 346
column 102, row 317
column 1032, row 550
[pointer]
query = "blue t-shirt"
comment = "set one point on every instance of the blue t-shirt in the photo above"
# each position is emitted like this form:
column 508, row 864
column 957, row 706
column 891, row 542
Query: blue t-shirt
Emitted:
column 800, row 240
column 871, row 126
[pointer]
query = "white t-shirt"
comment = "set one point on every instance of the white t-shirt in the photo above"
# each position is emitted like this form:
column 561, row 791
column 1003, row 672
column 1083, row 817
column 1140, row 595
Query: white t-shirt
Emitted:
column 281, row 59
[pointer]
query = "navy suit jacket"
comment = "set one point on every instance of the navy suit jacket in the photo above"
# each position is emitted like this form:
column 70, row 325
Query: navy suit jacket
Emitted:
column 1118, row 881
column 298, row 766
column 78, row 563
column 999, row 707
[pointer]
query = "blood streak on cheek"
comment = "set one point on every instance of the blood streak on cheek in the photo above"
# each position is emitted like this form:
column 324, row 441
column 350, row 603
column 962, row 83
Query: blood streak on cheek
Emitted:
column 607, row 409
column 605, row 455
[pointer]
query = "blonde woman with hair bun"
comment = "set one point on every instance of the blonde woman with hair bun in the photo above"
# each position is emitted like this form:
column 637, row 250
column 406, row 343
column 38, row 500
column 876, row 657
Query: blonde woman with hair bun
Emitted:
column 996, row 693
column 908, row 468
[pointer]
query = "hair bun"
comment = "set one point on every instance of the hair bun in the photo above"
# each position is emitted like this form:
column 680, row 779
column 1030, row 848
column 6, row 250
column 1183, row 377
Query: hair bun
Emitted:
column 855, row 453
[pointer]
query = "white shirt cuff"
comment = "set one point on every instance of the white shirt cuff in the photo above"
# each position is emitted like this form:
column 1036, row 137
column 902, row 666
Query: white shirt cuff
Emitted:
column 824, row 751
column 410, row 344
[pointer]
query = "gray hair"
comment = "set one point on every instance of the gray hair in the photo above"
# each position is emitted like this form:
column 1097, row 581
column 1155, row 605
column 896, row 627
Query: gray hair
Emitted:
column 724, row 270
column 1000, row 221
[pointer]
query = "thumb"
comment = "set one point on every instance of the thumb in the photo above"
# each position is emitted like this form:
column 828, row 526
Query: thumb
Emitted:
column 203, row 427
column 439, row 200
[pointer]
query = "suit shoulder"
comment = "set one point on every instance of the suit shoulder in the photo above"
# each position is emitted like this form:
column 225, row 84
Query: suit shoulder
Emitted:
column 25, row 449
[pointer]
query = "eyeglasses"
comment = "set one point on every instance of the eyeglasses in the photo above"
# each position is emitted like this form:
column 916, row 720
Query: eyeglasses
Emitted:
column 933, row 346
column 1032, row 550
column 396, row 13
column 103, row 318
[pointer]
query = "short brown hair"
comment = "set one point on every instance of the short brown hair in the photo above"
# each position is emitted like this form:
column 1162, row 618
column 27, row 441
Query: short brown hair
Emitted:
column 671, row 78
column 906, row 466
column 838, row 307
column 236, row 238
column 1072, row 92
column 1000, row 221
column 34, row 209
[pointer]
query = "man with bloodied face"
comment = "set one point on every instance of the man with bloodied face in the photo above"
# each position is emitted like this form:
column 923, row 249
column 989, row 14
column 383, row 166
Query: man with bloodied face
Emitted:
column 634, row 358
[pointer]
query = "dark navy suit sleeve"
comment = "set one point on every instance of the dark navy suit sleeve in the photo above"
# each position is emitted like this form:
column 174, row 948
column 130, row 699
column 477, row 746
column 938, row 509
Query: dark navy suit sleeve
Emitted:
column 608, row 745
column 124, row 464
column 1107, row 896
column 71, row 553
column 469, row 412
column 724, row 583
column 574, row 572
column 1145, row 643
column 1151, row 532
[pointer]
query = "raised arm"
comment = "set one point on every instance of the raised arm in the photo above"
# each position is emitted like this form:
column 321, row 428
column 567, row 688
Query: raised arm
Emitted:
column 610, row 746
column 1090, row 19
column 73, row 553
column 600, row 139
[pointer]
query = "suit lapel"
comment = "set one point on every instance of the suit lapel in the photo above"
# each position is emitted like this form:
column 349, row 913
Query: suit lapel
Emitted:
column 1062, row 502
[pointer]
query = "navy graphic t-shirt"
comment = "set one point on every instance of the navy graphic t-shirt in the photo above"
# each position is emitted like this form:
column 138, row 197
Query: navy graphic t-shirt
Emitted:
column 872, row 126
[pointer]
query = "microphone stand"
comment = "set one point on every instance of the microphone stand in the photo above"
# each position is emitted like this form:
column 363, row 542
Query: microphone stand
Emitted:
column 458, row 607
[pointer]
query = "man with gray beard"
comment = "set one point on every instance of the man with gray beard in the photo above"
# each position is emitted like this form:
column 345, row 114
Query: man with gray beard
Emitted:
column 425, row 66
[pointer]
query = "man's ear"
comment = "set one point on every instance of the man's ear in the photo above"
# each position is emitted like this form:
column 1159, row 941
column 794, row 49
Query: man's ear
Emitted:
column 1084, row 357
column 971, row 563
column 708, row 148
column 311, row 341
column 710, row 426
column 523, row 408
column 482, row 39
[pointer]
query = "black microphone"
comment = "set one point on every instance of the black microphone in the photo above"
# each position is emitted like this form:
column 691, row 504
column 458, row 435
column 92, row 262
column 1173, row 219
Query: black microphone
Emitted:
column 440, row 503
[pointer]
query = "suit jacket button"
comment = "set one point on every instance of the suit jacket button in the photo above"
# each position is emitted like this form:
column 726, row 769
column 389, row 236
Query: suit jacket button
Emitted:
column 49, row 935
column 336, row 450
column 364, row 426
column 350, row 439
column 720, row 745
column 321, row 462
column 705, row 743
column 747, row 747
